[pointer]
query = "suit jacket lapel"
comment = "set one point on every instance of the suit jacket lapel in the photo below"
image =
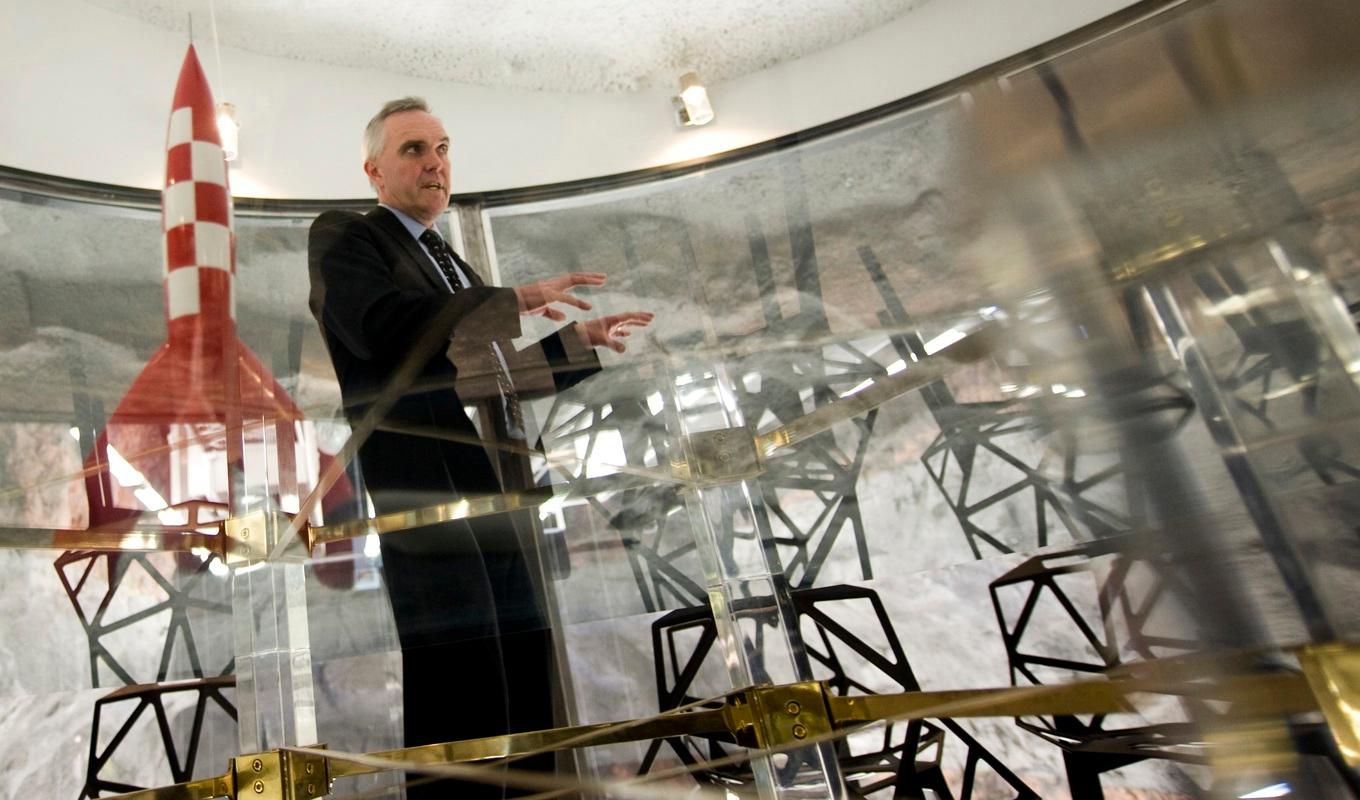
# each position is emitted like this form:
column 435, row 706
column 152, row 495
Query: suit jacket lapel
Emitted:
column 389, row 224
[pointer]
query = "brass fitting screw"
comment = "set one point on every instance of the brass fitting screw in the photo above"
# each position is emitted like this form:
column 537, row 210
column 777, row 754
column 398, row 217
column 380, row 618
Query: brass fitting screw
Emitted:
column 259, row 787
column 793, row 708
column 257, row 765
column 799, row 731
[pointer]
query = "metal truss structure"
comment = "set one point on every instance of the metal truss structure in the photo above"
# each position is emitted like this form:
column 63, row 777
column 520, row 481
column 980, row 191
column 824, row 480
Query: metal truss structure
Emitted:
column 810, row 495
column 93, row 601
column 1046, row 469
column 1113, row 608
column 901, row 760
column 1139, row 617
column 658, row 542
column 92, row 582
column 1048, row 477
column 181, row 754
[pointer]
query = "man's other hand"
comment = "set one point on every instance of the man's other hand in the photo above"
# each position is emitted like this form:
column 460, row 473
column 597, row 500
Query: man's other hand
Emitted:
column 607, row 331
column 538, row 298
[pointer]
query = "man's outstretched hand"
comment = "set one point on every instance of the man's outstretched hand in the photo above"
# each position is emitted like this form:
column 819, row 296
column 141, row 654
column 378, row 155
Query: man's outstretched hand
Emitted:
column 538, row 298
column 608, row 331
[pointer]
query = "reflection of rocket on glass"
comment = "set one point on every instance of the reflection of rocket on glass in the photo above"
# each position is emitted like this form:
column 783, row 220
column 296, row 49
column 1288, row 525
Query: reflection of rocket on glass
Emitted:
column 203, row 399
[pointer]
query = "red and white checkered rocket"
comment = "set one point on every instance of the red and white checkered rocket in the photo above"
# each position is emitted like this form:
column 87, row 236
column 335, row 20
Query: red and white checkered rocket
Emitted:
column 203, row 401
column 196, row 217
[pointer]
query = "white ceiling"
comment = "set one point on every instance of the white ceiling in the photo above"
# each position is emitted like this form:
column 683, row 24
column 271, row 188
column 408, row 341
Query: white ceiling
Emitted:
column 543, row 45
column 115, row 61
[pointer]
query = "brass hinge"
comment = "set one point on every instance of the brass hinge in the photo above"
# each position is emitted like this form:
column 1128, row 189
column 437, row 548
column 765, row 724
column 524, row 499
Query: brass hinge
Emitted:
column 260, row 536
column 280, row 775
column 726, row 455
column 783, row 717
column 775, row 717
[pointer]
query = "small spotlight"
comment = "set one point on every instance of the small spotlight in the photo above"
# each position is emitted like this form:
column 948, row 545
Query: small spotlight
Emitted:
column 695, row 109
column 1276, row 790
column 229, row 129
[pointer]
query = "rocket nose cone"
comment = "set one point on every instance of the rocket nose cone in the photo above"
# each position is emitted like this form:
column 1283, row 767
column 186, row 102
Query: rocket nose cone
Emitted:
column 197, row 238
column 192, row 92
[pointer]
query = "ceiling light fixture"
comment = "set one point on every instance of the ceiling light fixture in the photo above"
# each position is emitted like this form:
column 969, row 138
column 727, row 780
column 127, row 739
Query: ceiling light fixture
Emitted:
column 695, row 108
column 229, row 130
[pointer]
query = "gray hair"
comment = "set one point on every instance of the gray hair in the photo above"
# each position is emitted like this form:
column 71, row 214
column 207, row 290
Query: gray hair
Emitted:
column 374, row 133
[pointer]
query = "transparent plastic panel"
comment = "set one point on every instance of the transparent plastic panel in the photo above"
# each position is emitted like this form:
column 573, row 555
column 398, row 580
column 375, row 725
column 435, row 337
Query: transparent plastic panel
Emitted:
column 105, row 646
column 858, row 555
column 1062, row 504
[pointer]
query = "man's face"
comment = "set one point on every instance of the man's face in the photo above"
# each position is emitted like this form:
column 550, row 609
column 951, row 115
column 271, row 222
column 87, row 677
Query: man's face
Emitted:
column 412, row 172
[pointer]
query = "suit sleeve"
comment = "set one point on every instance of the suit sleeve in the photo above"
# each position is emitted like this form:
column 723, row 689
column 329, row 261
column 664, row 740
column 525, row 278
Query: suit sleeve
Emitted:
column 571, row 361
column 357, row 297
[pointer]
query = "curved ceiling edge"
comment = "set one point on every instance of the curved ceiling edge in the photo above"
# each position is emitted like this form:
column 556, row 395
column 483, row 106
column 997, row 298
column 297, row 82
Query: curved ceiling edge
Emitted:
column 80, row 191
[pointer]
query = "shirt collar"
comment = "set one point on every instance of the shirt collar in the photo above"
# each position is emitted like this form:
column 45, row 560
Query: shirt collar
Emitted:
column 412, row 226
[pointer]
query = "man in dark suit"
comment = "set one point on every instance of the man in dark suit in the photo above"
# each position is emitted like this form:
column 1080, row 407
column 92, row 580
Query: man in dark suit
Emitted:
column 403, row 316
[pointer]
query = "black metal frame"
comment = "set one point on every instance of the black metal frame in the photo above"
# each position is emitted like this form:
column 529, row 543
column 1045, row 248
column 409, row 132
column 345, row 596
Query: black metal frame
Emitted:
column 909, row 759
column 1090, row 747
column 975, row 429
column 76, row 570
column 153, row 697
column 179, row 601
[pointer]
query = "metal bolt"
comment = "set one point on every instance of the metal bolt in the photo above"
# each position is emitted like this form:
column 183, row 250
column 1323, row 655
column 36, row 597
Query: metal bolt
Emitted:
column 799, row 731
column 245, row 533
column 257, row 765
column 259, row 787
column 793, row 708
column 311, row 789
column 310, row 768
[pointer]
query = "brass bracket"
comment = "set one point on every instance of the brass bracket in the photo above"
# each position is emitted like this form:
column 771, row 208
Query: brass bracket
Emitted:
column 280, row 775
column 1333, row 673
column 254, row 537
column 773, row 717
column 791, row 716
column 726, row 455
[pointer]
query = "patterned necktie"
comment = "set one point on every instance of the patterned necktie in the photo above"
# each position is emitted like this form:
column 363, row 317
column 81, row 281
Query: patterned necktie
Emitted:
column 443, row 257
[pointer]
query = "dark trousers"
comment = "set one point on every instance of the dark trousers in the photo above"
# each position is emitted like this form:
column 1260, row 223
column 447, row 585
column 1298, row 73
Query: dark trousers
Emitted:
column 477, row 654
